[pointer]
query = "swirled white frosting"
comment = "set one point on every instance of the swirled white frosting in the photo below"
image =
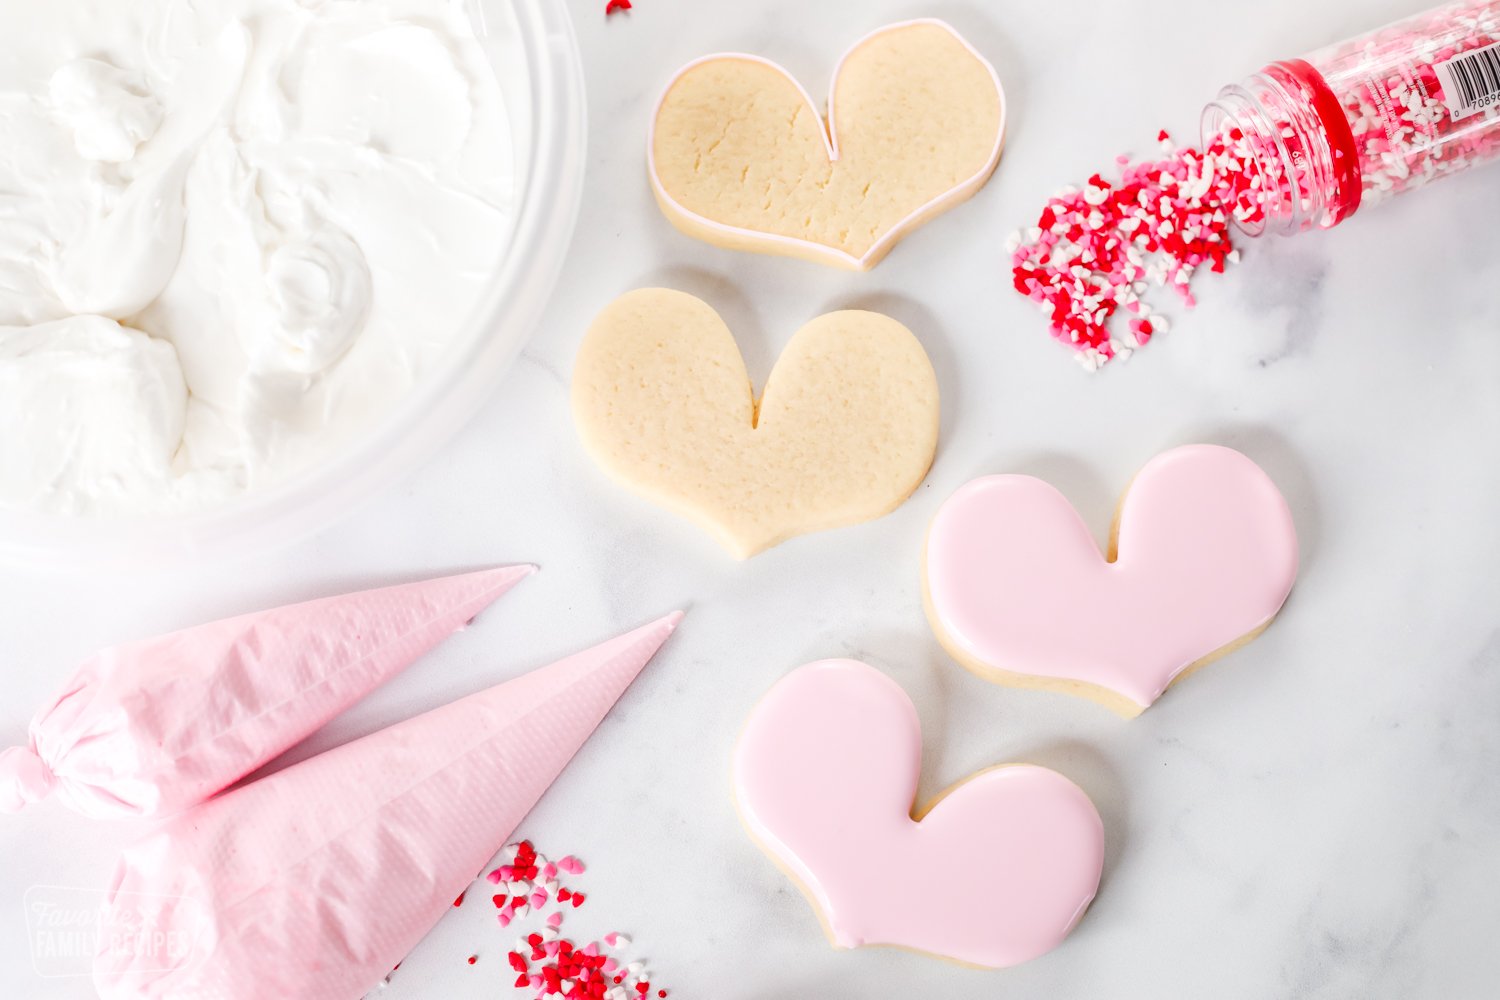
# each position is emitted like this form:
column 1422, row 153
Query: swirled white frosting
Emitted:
column 232, row 235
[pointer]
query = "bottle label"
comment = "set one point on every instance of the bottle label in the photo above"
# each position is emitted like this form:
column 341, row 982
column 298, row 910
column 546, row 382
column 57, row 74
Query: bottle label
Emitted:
column 1471, row 82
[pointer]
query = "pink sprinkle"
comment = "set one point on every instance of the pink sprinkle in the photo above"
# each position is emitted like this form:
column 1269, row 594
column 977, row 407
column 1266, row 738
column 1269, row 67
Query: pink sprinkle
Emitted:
column 554, row 920
column 571, row 865
column 539, row 898
column 495, row 877
column 549, row 872
column 504, row 919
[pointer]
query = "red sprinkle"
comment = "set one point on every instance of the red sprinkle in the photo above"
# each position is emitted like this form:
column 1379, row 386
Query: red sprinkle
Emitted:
column 616, row 5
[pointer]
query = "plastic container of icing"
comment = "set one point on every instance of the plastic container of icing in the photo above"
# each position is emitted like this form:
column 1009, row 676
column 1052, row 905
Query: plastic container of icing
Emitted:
column 531, row 46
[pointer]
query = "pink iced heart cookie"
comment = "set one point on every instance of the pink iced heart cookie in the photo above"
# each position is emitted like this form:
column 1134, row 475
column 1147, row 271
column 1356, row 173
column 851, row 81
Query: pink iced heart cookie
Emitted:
column 825, row 777
column 1202, row 557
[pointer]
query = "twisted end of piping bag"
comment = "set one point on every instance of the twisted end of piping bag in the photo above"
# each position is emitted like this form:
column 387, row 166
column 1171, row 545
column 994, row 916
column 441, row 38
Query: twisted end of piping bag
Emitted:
column 24, row 778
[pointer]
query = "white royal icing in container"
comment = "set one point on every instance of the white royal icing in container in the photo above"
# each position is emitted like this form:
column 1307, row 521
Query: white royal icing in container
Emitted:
column 233, row 237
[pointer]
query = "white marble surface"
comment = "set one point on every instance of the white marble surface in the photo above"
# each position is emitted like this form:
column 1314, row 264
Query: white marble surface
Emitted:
column 1317, row 816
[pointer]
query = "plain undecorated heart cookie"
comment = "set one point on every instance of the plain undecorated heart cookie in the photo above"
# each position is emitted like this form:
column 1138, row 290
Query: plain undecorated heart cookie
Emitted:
column 741, row 157
column 844, row 433
column 825, row 776
column 1202, row 556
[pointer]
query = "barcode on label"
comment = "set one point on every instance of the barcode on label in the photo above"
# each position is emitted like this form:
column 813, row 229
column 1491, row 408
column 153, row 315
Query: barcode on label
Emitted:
column 1471, row 82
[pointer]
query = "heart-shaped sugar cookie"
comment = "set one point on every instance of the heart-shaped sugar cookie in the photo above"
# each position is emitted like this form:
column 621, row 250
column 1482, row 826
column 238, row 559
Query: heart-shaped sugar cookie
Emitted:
column 740, row 156
column 1202, row 557
column 825, row 775
column 845, row 431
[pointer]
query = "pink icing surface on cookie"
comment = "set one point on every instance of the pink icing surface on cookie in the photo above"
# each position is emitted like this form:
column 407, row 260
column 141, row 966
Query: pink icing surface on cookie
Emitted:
column 825, row 777
column 1207, row 553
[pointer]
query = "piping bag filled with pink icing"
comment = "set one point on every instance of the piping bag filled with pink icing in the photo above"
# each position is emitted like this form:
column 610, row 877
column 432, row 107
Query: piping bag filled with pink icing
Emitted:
column 312, row 883
column 155, row 726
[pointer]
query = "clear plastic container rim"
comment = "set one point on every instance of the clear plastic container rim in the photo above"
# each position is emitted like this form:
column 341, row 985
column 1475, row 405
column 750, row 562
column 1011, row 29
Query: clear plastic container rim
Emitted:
column 1237, row 103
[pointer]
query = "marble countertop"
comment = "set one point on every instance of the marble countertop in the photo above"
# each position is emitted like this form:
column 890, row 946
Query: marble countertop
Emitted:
column 1316, row 816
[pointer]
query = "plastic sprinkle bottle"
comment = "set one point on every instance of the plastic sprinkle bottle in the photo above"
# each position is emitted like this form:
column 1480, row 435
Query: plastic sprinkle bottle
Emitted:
column 1352, row 124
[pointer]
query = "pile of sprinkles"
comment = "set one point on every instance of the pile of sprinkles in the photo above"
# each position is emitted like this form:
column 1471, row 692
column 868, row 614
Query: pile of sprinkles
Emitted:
column 1097, row 249
column 1352, row 124
column 545, row 963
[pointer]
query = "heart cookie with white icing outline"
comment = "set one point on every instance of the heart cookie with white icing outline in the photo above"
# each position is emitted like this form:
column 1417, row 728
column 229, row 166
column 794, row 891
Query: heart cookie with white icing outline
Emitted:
column 845, row 431
column 825, row 776
column 740, row 156
column 1202, row 556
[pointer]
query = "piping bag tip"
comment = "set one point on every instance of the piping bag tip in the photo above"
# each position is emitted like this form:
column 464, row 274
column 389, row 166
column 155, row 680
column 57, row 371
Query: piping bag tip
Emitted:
column 502, row 578
column 24, row 779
